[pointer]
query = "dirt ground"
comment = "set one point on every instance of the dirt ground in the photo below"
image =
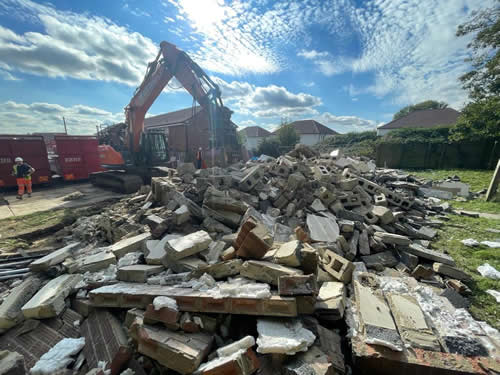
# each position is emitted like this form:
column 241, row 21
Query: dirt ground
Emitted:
column 48, row 198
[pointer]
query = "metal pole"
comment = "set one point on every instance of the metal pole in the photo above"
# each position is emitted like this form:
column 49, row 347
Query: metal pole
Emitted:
column 65, row 129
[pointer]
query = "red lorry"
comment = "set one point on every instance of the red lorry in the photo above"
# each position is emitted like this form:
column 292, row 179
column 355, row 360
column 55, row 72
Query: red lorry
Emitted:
column 76, row 157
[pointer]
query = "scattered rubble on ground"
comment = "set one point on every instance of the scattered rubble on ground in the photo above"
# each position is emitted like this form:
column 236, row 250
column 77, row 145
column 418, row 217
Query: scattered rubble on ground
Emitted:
column 303, row 265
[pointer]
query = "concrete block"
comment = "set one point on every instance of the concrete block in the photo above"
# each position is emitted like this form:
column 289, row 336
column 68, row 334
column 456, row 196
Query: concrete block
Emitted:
column 346, row 226
column 219, row 270
column 428, row 254
column 349, row 200
column 283, row 337
column 129, row 245
column 180, row 352
column 409, row 260
column 168, row 315
column 50, row 300
column 266, row 271
column 435, row 193
column 422, row 272
column 153, row 221
column 347, row 184
column 353, row 246
column 105, row 341
column 251, row 178
column 10, row 309
column 380, row 200
column 317, row 205
column 380, row 260
column 241, row 362
column 364, row 243
column 296, row 285
column 182, row 215
column 288, row 254
column 95, row 262
column 322, row 173
column 295, row 181
column 322, row 229
column 391, row 238
column 132, row 315
column 214, row 251
column 229, row 253
column 138, row 273
column 186, row 246
column 453, row 272
column 82, row 306
column 455, row 187
column 11, row 363
column 338, row 267
column 411, row 322
column 154, row 250
column 253, row 240
column 330, row 302
column 326, row 196
column 55, row 257
column 384, row 214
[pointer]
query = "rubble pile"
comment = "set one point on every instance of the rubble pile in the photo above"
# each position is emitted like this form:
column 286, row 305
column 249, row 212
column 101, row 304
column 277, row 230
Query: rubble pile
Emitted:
column 300, row 265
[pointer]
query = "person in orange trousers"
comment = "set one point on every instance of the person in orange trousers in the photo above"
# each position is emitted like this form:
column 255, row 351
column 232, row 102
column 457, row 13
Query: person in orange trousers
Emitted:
column 22, row 171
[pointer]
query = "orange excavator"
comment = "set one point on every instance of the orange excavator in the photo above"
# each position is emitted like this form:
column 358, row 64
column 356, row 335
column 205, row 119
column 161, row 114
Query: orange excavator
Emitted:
column 132, row 156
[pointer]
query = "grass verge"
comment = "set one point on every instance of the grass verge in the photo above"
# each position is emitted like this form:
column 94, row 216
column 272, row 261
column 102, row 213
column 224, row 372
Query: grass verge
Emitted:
column 477, row 180
column 483, row 306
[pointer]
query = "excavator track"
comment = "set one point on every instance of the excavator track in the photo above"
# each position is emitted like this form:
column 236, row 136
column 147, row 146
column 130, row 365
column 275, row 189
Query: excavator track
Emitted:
column 119, row 182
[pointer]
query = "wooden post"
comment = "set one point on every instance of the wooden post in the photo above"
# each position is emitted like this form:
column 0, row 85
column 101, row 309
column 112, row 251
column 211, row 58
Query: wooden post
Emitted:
column 495, row 180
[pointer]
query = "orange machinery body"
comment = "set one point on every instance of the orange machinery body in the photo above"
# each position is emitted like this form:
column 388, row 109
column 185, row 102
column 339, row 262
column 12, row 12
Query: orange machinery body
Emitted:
column 109, row 156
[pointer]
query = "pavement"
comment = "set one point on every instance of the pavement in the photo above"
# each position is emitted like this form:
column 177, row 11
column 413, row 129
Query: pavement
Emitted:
column 48, row 198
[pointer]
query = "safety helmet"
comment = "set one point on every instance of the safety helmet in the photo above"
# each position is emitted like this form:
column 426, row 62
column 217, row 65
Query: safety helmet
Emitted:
column 19, row 159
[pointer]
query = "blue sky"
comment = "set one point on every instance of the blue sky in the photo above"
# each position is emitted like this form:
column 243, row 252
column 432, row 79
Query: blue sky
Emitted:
column 349, row 64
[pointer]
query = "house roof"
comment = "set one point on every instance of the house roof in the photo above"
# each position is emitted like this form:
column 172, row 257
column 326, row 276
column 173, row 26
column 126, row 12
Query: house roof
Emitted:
column 425, row 118
column 312, row 127
column 255, row 131
column 171, row 118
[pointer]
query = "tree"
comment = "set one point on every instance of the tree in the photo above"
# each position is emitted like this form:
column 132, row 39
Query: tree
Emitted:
column 241, row 137
column 428, row 104
column 479, row 119
column 287, row 135
column 269, row 147
column 484, row 78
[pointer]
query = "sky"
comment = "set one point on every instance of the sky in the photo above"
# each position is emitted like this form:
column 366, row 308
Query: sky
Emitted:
column 349, row 64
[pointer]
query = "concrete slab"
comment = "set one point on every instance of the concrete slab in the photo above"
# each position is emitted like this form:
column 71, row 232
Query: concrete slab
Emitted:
column 375, row 316
column 93, row 263
column 188, row 245
column 411, row 322
column 428, row 254
column 53, row 258
column 50, row 300
column 10, row 309
column 129, row 245
column 322, row 229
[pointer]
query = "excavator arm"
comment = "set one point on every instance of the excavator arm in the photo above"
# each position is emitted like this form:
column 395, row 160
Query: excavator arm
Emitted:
column 172, row 62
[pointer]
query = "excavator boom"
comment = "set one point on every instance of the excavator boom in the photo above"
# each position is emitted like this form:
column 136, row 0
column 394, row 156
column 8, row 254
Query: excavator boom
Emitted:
column 141, row 152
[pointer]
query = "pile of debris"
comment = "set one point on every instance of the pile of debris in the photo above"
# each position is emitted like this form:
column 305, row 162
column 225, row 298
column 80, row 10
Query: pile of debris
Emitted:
column 298, row 265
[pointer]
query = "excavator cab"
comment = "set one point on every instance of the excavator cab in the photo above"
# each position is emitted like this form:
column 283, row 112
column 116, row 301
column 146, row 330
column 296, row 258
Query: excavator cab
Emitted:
column 154, row 150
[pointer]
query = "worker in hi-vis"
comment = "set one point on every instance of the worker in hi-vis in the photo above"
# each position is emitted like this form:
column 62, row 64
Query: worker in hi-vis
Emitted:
column 22, row 171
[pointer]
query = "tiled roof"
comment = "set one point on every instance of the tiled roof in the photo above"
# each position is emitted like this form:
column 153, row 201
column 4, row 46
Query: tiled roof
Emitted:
column 255, row 131
column 425, row 118
column 171, row 118
column 312, row 127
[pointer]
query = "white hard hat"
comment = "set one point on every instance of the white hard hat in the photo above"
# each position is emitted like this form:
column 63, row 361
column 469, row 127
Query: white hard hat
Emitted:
column 19, row 159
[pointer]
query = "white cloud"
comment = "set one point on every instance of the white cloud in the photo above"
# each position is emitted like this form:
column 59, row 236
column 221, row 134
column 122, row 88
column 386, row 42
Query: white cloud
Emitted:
column 21, row 118
column 7, row 76
column 168, row 19
column 73, row 45
column 136, row 11
column 345, row 124
column 312, row 54
column 412, row 48
column 266, row 101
